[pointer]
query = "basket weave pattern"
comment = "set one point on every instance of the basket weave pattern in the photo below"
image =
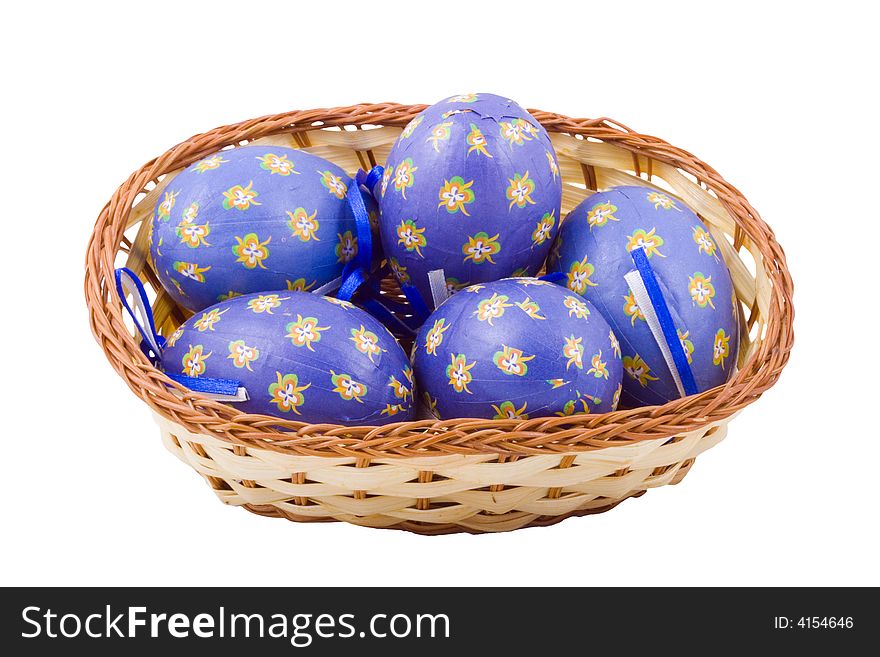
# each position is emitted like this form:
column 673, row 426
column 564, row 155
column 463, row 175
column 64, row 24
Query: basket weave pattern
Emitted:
column 440, row 476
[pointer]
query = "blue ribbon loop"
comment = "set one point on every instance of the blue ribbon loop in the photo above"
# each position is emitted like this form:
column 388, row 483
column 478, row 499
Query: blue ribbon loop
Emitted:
column 667, row 326
column 357, row 272
column 153, row 344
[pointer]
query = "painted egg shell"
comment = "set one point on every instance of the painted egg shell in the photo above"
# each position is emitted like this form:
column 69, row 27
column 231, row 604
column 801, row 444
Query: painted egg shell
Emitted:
column 471, row 186
column 252, row 219
column 593, row 250
column 301, row 357
column 517, row 348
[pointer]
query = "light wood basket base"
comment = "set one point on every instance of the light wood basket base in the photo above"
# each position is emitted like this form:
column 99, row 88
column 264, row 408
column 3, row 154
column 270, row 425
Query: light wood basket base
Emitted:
column 441, row 494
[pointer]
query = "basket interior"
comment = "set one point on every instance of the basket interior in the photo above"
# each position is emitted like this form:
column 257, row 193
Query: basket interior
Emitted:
column 593, row 154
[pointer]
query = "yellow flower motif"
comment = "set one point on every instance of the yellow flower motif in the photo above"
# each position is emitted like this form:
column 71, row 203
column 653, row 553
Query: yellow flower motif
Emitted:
column 638, row 370
column 704, row 241
column 411, row 237
column 577, row 307
column 303, row 224
column 567, row 410
column 554, row 168
column 194, row 360
column 511, row 361
column 366, row 342
column 458, row 373
column 392, row 409
column 615, row 400
column 304, row 331
column 525, row 282
column 431, row 403
column 701, row 290
column 177, row 285
column 265, row 303
column 190, row 214
column 599, row 367
column 229, row 295
column 435, row 336
column 240, row 198
column 150, row 241
column 601, row 213
column 517, row 131
column 174, row 337
column 299, row 285
column 455, row 194
column 404, row 177
column 208, row 319
column 477, row 141
column 167, row 204
column 574, row 352
column 348, row 388
column 489, row 309
column 251, row 251
column 347, row 248
column 508, row 411
column 463, row 98
column 615, row 344
column 579, row 276
column 401, row 391
column 527, row 128
column 410, row 127
column 530, row 308
column 193, row 235
column 648, row 241
column 399, row 271
column 481, row 247
column 661, row 201
column 334, row 184
column 686, row 345
column 286, row 393
column 408, row 374
column 386, row 178
column 209, row 163
column 190, row 270
column 439, row 132
column 473, row 289
column 520, row 190
column 453, row 285
column 277, row 164
column 242, row 355
column 596, row 401
column 721, row 348
column 557, row 383
column 339, row 302
column 631, row 308
column 544, row 228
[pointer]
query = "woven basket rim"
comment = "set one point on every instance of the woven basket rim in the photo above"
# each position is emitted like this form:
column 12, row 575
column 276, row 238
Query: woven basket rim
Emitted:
column 433, row 437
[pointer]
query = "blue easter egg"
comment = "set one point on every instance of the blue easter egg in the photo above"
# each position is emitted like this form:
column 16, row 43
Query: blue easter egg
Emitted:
column 472, row 187
column 300, row 356
column 593, row 251
column 517, row 348
column 252, row 219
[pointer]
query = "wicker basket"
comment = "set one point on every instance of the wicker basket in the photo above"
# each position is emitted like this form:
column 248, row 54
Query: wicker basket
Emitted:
column 433, row 476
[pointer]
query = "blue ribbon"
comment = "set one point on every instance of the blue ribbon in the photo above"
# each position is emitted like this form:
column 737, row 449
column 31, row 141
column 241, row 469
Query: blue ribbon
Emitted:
column 152, row 344
column 667, row 326
column 553, row 277
column 362, row 217
column 357, row 271
column 419, row 307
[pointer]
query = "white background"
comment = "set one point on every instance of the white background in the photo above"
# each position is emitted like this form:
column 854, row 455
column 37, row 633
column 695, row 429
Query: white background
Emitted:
column 781, row 100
